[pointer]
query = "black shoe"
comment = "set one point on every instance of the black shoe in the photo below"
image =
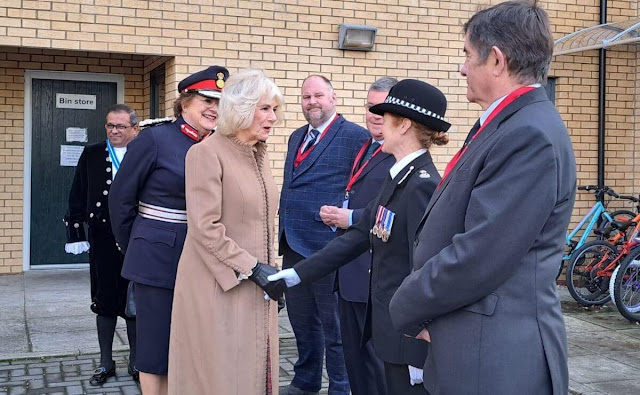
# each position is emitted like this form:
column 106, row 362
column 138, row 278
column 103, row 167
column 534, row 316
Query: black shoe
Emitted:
column 101, row 374
column 135, row 373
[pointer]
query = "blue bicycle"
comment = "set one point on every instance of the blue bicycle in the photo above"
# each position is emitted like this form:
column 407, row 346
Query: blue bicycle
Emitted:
column 597, row 214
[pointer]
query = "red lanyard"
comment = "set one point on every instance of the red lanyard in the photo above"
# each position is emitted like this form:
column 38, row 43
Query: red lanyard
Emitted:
column 355, row 174
column 303, row 155
column 507, row 100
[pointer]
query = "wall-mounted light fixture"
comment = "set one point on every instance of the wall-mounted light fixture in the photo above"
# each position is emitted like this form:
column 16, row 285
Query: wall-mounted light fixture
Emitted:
column 356, row 37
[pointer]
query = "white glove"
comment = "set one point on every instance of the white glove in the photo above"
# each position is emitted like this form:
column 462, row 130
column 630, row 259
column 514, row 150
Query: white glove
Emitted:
column 76, row 248
column 289, row 276
column 415, row 375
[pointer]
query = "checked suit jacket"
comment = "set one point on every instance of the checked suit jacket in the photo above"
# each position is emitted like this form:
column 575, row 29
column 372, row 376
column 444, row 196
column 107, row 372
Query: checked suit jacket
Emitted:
column 318, row 180
column 486, row 257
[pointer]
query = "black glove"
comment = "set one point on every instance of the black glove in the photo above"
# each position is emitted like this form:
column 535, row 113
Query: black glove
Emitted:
column 274, row 289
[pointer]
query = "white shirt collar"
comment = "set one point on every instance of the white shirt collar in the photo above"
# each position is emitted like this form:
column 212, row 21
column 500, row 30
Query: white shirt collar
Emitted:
column 119, row 151
column 495, row 104
column 322, row 127
column 402, row 163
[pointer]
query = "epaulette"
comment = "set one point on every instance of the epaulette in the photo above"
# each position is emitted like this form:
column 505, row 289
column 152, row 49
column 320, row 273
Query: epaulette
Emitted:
column 154, row 122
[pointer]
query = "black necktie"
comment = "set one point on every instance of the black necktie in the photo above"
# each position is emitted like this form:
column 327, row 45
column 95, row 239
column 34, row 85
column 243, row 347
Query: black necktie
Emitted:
column 473, row 131
column 372, row 148
column 312, row 136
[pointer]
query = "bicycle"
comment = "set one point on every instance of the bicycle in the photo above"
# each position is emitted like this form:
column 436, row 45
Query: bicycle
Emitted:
column 592, row 265
column 598, row 213
column 624, row 285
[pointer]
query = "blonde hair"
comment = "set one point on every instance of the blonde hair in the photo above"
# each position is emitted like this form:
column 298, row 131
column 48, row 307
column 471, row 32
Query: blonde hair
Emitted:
column 240, row 96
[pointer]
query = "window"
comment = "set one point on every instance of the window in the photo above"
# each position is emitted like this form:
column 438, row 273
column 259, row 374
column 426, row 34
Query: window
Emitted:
column 550, row 87
column 156, row 94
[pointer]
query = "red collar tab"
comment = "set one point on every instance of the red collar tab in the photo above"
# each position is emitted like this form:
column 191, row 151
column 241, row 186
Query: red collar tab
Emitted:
column 190, row 132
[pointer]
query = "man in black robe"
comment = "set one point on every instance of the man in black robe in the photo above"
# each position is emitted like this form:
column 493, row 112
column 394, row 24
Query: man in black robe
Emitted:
column 88, row 203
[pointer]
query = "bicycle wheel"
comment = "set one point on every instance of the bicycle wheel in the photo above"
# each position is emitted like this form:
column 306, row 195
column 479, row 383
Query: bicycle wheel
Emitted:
column 586, row 287
column 625, row 284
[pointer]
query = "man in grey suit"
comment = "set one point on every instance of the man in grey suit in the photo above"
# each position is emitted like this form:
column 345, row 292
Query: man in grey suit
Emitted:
column 486, row 253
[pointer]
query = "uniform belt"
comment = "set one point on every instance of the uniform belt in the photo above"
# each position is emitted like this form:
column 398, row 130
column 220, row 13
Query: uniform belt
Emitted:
column 164, row 214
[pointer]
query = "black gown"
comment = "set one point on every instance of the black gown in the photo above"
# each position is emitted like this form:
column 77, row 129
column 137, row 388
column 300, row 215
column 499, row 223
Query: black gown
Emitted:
column 88, row 203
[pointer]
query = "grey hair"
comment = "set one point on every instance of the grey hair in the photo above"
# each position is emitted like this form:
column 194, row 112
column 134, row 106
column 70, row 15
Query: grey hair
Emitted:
column 521, row 30
column 240, row 96
column 383, row 84
column 133, row 116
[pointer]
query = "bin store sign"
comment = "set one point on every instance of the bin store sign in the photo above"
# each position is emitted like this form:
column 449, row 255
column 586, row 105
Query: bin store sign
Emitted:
column 79, row 102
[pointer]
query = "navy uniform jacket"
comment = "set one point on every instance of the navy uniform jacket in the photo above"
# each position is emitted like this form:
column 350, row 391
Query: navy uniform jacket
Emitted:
column 318, row 180
column 353, row 279
column 88, row 203
column 407, row 196
column 152, row 172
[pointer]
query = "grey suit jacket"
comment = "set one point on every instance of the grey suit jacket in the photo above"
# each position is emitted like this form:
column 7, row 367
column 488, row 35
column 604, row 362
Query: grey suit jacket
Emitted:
column 486, row 256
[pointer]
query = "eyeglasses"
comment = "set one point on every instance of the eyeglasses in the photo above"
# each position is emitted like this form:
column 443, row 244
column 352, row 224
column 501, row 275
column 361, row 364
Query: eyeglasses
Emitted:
column 119, row 128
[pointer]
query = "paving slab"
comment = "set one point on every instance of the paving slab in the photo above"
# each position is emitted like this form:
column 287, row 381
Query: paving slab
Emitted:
column 48, row 342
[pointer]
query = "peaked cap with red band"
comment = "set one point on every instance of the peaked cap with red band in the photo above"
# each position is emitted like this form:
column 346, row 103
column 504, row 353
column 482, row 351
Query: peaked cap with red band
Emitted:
column 208, row 82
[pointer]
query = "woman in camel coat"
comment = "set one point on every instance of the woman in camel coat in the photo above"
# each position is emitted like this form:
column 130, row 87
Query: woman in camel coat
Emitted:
column 224, row 333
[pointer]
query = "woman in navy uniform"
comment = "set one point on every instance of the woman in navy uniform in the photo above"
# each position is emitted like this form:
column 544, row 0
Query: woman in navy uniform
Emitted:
column 88, row 203
column 413, row 121
column 148, row 215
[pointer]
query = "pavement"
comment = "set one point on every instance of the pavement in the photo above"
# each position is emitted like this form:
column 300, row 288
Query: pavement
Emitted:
column 49, row 345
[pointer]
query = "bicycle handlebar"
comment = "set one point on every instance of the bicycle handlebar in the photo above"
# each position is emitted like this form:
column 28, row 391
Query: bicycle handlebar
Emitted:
column 631, row 198
column 599, row 191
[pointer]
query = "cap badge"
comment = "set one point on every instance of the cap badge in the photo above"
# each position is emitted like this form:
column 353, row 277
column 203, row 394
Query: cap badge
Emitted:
column 220, row 81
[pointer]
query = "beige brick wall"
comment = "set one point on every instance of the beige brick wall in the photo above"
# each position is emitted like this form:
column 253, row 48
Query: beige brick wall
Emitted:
column 290, row 39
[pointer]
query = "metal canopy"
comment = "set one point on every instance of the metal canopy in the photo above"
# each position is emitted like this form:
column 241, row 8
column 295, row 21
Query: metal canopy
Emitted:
column 600, row 36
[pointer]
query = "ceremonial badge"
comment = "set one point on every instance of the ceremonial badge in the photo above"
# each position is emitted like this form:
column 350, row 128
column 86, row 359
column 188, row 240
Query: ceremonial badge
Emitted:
column 220, row 81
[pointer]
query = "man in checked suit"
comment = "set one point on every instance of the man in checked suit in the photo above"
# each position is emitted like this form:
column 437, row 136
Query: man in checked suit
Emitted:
column 369, row 171
column 486, row 253
column 317, row 168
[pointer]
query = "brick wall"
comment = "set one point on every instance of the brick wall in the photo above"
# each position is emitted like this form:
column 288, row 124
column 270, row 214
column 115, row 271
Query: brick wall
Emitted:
column 290, row 39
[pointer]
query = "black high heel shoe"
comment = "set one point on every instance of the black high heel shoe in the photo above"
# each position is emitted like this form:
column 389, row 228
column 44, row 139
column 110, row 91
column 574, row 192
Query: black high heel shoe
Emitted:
column 135, row 373
column 101, row 374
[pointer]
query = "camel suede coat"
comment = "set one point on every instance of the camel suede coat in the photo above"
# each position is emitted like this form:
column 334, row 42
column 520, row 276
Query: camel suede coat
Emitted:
column 223, row 332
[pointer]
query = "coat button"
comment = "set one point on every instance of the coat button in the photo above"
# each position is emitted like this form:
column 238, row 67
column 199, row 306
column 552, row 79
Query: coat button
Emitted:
column 76, row 225
column 108, row 159
column 108, row 182
column 370, row 250
column 104, row 220
column 98, row 204
column 108, row 169
column 105, row 192
column 415, row 243
column 90, row 215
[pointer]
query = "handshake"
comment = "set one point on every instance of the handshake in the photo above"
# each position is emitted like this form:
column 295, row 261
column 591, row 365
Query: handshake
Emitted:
column 272, row 281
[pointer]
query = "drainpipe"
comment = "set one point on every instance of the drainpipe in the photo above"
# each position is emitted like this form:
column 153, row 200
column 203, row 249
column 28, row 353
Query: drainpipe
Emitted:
column 602, row 87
